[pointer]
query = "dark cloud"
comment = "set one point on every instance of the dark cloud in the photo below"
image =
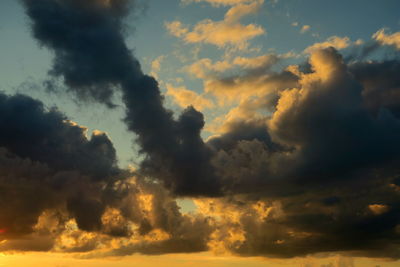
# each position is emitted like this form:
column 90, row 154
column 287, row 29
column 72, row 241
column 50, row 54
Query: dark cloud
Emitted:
column 56, row 183
column 84, row 36
column 45, row 158
column 321, row 129
column 333, row 169
column 381, row 83
column 92, row 57
column 30, row 131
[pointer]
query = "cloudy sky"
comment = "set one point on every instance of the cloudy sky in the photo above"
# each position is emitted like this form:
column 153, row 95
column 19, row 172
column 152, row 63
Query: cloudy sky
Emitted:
column 200, row 133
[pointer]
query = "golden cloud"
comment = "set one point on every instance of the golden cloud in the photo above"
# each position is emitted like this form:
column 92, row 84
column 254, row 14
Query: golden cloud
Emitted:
column 229, row 31
column 184, row 98
column 388, row 39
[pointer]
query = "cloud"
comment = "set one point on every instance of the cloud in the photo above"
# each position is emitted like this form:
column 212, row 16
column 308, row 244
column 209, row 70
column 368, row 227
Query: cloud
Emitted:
column 333, row 41
column 318, row 128
column 238, row 79
column 305, row 28
column 221, row 33
column 184, row 98
column 48, row 136
column 381, row 84
column 93, row 59
column 176, row 28
column 205, row 67
column 306, row 163
column 263, row 61
column 47, row 162
column 388, row 39
column 221, row 2
column 378, row 209
column 156, row 66
column 155, row 222
column 53, row 198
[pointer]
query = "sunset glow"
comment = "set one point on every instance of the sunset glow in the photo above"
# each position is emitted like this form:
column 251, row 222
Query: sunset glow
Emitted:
column 212, row 133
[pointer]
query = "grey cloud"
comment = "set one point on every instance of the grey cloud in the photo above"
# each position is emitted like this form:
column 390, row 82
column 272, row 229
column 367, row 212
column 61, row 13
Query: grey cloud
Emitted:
column 92, row 57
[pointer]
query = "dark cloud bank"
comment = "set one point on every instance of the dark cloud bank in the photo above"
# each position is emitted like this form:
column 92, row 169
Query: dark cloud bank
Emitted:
column 324, row 165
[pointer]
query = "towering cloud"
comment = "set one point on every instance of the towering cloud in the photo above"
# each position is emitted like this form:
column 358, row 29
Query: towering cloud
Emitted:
column 324, row 173
column 93, row 59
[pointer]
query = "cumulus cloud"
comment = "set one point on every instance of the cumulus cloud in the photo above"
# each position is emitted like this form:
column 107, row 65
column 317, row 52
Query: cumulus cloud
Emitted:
column 61, row 191
column 48, row 162
column 333, row 143
column 222, row 33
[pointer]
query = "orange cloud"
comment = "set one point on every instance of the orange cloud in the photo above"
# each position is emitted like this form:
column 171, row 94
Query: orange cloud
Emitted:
column 229, row 31
column 388, row 39
column 305, row 28
column 220, row 2
column 333, row 41
column 378, row 209
column 184, row 97
column 156, row 66
column 247, row 77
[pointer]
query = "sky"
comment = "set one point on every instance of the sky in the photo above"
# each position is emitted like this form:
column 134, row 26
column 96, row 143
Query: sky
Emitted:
column 199, row 133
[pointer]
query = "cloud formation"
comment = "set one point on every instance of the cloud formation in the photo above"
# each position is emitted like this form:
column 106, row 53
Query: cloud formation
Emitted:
column 388, row 39
column 306, row 162
column 333, row 41
column 49, row 162
column 229, row 31
column 242, row 78
column 333, row 143
column 184, row 97
column 220, row 2
column 92, row 57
